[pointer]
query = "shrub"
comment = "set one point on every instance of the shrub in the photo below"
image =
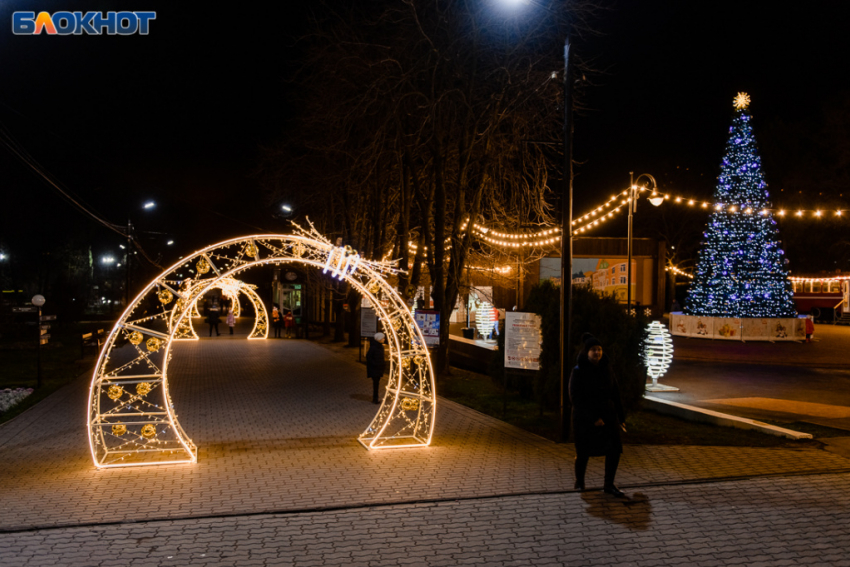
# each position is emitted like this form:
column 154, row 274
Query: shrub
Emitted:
column 621, row 336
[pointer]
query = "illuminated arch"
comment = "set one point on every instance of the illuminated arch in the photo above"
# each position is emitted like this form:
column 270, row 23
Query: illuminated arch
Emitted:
column 231, row 288
column 131, row 420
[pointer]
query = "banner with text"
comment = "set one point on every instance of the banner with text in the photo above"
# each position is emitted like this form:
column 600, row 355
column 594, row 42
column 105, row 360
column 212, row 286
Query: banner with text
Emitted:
column 522, row 340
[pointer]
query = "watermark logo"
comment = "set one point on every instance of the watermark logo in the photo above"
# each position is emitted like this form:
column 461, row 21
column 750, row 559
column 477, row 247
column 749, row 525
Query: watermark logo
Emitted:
column 79, row 23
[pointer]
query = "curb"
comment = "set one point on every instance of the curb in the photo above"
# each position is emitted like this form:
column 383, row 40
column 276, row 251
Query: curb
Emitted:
column 749, row 361
column 692, row 413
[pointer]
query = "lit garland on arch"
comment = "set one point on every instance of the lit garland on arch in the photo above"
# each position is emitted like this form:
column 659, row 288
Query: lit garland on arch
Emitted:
column 231, row 288
column 741, row 269
column 131, row 419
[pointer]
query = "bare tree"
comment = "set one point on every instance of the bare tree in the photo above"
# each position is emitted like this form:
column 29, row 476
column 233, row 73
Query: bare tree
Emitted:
column 413, row 122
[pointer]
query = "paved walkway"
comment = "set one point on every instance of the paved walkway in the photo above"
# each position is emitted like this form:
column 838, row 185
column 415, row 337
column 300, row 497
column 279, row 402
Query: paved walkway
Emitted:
column 282, row 480
column 785, row 382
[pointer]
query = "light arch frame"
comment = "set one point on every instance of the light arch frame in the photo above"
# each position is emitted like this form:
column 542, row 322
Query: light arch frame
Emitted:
column 404, row 419
column 231, row 288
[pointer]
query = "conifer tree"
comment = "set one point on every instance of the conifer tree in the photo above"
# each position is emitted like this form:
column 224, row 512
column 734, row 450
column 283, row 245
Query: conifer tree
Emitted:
column 741, row 269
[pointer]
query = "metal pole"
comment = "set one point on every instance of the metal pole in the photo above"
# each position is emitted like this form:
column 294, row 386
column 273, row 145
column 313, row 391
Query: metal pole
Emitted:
column 629, row 266
column 127, row 269
column 38, row 349
column 566, row 254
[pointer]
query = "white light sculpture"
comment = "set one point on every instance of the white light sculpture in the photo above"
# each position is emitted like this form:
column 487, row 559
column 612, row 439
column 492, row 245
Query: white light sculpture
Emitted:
column 131, row 419
column 484, row 319
column 658, row 353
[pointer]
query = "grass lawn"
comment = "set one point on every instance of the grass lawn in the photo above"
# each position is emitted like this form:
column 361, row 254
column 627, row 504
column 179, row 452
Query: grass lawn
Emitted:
column 60, row 363
column 480, row 393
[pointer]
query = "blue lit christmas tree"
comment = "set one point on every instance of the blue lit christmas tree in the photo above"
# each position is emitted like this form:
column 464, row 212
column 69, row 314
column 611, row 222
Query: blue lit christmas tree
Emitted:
column 741, row 268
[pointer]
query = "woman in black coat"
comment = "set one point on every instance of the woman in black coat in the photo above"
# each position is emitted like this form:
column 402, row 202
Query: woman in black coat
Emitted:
column 598, row 416
column 375, row 363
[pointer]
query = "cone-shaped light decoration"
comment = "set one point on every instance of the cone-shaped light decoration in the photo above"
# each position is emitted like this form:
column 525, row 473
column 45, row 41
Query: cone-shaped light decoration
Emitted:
column 658, row 352
column 484, row 319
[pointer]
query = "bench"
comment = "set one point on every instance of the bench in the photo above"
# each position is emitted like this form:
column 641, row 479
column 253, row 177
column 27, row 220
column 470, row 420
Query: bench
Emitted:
column 93, row 339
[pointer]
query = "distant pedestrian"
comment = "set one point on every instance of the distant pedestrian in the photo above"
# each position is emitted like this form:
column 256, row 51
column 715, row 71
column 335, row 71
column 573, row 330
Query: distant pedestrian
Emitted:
column 598, row 416
column 375, row 363
column 213, row 318
column 289, row 323
column 231, row 319
column 810, row 329
column 676, row 308
column 277, row 321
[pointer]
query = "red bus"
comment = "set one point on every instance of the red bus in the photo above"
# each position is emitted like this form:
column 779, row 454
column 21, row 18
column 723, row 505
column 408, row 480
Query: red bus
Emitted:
column 819, row 296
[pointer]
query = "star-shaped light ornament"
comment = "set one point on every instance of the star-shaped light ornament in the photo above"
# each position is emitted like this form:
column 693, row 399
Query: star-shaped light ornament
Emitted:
column 742, row 101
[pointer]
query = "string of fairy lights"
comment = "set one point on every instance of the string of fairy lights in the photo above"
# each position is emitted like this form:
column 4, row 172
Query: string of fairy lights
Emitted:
column 793, row 279
column 609, row 209
column 679, row 272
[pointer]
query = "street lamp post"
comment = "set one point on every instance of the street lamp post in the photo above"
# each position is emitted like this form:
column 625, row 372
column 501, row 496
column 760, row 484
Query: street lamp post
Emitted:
column 127, row 264
column 634, row 195
column 566, row 247
column 38, row 301
column 566, row 253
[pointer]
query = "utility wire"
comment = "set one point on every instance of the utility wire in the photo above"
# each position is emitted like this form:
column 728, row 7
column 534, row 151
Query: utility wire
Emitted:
column 22, row 154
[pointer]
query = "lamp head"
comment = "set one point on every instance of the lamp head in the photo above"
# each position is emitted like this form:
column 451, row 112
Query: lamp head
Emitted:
column 38, row 300
column 656, row 200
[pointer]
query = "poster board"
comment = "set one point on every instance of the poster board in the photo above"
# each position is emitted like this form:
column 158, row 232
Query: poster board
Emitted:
column 522, row 340
column 429, row 323
column 368, row 322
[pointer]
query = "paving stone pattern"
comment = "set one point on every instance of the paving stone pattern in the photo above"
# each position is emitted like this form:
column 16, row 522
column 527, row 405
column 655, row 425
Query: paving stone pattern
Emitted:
column 276, row 422
column 764, row 522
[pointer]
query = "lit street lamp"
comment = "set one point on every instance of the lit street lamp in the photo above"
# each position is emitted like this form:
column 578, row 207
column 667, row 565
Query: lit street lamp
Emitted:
column 566, row 248
column 634, row 195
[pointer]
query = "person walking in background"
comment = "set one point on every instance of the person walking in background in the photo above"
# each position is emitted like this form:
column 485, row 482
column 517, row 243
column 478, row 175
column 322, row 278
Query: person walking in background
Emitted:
column 375, row 363
column 231, row 319
column 213, row 318
column 598, row 417
column 277, row 320
column 289, row 323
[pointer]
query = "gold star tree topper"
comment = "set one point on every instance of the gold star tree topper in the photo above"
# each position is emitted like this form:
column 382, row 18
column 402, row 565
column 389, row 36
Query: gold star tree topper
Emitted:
column 742, row 101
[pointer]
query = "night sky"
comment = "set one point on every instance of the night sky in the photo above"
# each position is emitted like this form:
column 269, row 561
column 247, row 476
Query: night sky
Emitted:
column 177, row 116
